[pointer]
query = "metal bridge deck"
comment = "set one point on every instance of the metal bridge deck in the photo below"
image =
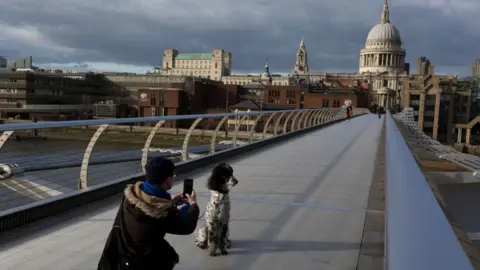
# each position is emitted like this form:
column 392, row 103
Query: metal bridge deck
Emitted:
column 299, row 205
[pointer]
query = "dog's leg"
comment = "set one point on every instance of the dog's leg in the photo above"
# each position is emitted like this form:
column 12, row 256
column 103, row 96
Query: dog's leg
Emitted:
column 202, row 238
column 228, row 242
column 223, row 239
column 213, row 237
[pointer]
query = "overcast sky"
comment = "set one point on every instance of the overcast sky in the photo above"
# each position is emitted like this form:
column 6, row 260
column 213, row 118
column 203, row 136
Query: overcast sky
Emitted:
column 130, row 35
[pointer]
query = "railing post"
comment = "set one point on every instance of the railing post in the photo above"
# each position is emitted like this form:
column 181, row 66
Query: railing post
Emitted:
column 318, row 118
column 146, row 147
column 286, row 121
column 237, row 127
column 311, row 118
column 83, row 180
column 315, row 118
column 278, row 123
column 302, row 119
column 294, row 121
column 252, row 130
column 213, row 141
column 332, row 114
column 4, row 138
column 265, row 128
column 187, row 138
column 306, row 120
column 324, row 116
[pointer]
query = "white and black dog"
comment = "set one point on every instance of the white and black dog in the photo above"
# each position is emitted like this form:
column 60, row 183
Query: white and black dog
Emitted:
column 214, row 235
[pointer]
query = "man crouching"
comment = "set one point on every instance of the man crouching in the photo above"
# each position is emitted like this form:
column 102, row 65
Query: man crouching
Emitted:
column 146, row 214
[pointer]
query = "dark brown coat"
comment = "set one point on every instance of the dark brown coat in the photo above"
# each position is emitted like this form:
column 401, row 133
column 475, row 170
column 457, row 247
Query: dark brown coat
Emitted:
column 137, row 238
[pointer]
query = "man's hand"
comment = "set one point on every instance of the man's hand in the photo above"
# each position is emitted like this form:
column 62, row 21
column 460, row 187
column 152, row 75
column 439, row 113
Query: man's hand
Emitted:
column 177, row 198
column 191, row 198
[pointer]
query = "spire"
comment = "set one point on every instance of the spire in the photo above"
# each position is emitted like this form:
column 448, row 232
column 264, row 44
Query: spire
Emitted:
column 385, row 14
column 302, row 43
column 266, row 73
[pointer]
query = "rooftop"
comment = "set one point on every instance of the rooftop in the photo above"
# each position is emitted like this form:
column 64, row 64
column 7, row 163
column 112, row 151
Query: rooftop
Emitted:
column 193, row 56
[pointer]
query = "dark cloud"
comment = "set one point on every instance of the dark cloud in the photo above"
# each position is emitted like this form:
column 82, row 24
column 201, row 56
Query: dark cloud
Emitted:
column 136, row 32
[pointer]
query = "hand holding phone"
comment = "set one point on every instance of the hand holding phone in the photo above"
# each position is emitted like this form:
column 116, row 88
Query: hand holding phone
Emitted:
column 187, row 186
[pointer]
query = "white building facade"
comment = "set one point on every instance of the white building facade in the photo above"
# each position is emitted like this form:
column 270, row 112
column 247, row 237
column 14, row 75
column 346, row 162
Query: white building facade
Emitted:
column 382, row 61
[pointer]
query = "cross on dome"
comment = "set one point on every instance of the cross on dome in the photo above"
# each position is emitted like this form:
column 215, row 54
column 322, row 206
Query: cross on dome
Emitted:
column 385, row 18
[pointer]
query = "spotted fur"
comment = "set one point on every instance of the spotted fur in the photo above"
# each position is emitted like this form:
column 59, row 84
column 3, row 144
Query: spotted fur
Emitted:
column 214, row 235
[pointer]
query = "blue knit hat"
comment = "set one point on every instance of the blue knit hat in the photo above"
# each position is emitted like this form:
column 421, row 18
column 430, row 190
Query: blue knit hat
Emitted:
column 158, row 169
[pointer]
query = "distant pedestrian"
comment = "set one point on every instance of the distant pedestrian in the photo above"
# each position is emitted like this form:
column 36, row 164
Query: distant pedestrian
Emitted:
column 146, row 214
column 349, row 112
column 380, row 112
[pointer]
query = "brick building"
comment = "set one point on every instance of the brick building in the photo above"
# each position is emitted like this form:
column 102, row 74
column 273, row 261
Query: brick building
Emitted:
column 326, row 94
column 193, row 96
column 24, row 94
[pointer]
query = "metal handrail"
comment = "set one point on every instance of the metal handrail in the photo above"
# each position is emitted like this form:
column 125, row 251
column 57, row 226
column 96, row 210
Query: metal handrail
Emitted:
column 53, row 205
column 319, row 116
column 467, row 161
column 58, row 124
column 418, row 234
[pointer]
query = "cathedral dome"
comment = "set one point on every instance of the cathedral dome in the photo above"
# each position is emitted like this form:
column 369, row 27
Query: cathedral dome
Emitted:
column 384, row 32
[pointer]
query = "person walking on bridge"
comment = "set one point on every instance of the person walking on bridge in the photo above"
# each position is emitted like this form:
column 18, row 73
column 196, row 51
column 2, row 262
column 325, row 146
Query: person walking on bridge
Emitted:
column 380, row 112
column 146, row 214
column 349, row 112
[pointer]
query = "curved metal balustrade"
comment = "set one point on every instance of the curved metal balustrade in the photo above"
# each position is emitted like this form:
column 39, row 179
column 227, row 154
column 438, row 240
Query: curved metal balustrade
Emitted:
column 467, row 161
column 418, row 234
column 58, row 158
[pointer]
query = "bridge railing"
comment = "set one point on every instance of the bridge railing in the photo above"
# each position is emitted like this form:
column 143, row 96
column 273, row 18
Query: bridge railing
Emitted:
column 418, row 137
column 44, row 163
column 418, row 234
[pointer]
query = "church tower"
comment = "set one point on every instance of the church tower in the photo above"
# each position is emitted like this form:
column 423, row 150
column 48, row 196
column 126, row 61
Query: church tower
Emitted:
column 383, row 60
column 301, row 62
column 266, row 76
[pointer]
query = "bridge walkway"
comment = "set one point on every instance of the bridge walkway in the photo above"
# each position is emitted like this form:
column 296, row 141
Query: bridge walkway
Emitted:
column 299, row 205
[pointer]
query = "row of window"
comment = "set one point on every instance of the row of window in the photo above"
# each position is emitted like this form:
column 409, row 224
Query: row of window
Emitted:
column 335, row 103
column 9, row 90
column 46, row 92
column 9, row 100
column 146, row 79
column 279, row 83
column 159, row 111
column 44, row 82
column 8, row 80
column 190, row 65
column 196, row 62
column 180, row 72
column 153, row 100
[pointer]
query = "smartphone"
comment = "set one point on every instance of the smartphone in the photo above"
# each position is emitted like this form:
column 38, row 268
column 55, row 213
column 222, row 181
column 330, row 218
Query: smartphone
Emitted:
column 187, row 186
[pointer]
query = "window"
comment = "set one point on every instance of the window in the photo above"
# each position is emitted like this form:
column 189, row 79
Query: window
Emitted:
column 159, row 111
column 325, row 103
column 385, row 83
column 336, row 103
column 274, row 96
column 153, row 99
column 162, row 99
column 291, row 97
